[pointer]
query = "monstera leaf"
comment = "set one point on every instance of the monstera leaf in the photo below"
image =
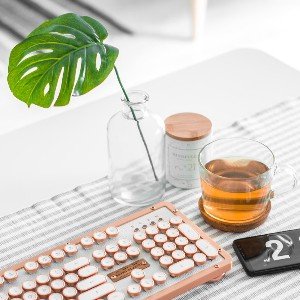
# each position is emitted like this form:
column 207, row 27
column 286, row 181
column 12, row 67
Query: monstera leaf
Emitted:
column 64, row 56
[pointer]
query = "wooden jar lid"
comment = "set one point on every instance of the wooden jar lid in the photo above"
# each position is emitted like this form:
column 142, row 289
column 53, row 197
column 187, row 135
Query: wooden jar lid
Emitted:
column 187, row 126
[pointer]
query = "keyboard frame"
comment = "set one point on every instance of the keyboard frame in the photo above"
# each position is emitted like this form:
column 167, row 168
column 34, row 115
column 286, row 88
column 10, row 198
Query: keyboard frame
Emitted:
column 203, row 276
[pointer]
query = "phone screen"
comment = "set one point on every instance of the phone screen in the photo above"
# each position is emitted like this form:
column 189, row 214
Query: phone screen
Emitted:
column 270, row 252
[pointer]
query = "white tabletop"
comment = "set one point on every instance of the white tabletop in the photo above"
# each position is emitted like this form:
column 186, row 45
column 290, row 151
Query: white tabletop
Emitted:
column 69, row 149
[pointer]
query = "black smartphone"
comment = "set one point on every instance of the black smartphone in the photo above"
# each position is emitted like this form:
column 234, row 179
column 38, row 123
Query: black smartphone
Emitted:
column 269, row 253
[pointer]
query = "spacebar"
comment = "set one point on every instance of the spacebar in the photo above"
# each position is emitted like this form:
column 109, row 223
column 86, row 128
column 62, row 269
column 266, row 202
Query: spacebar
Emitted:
column 98, row 292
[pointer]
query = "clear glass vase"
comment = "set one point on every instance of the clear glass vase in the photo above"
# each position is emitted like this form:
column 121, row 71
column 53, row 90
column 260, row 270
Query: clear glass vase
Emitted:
column 136, row 153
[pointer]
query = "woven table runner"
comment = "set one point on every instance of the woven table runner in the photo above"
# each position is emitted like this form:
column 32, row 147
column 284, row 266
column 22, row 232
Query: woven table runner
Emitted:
column 87, row 207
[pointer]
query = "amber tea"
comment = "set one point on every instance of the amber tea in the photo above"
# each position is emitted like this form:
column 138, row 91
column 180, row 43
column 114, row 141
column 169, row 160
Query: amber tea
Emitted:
column 233, row 190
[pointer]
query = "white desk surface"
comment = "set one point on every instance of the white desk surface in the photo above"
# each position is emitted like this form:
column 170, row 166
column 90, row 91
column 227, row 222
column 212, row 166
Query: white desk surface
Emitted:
column 61, row 152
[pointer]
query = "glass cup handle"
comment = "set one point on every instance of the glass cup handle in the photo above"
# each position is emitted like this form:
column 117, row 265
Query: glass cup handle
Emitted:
column 284, row 181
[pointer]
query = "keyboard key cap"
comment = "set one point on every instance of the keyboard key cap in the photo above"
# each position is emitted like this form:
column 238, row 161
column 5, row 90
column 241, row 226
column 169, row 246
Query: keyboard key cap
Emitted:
column 181, row 267
column 30, row 296
column 99, row 237
column 42, row 279
column 91, row 282
column 58, row 255
column 166, row 261
column 29, row 285
column 56, row 296
column 31, row 267
column 172, row 234
column 204, row 246
column 169, row 247
column 112, row 232
column 163, row 226
column 15, row 292
column 148, row 244
column 178, row 255
column 116, row 296
column 107, row 263
column 160, row 239
column 71, row 249
column 44, row 291
column 134, row 290
column 87, row 271
column 87, row 242
column 98, row 255
column 124, row 243
column 181, row 241
column 147, row 284
column 111, row 249
column 71, row 279
column 45, row 261
column 189, row 232
column 159, row 278
column 133, row 252
column 139, row 236
column 58, row 285
column 137, row 275
column 57, row 273
column 190, row 250
column 76, row 264
column 10, row 275
column 175, row 221
column 120, row 257
column 70, row 292
column 98, row 292
column 151, row 231
column 199, row 258
column 157, row 252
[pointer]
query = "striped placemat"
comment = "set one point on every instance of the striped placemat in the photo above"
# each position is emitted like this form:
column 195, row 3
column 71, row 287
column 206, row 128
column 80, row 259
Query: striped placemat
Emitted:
column 89, row 206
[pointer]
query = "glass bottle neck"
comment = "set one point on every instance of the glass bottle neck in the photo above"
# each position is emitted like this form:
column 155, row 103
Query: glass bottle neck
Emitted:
column 136, row 108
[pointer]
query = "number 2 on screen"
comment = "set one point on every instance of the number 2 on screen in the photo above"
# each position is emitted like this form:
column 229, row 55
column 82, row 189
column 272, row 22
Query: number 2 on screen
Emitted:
column 279, row 247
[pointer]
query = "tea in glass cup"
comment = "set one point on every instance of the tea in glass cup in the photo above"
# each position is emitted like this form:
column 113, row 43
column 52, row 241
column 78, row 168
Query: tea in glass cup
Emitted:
column 236, row 180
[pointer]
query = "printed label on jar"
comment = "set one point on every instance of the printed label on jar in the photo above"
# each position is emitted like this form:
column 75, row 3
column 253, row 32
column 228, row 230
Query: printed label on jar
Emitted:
column 182, row 161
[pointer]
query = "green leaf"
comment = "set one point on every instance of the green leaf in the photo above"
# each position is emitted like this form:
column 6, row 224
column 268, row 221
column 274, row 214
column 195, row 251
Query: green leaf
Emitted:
column 64, row 56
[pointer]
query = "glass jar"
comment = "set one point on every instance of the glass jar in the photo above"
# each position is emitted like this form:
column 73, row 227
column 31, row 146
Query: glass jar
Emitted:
column 136, row 153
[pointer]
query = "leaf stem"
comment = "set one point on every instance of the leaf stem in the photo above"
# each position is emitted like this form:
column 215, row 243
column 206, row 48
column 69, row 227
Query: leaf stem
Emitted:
column 137, row 122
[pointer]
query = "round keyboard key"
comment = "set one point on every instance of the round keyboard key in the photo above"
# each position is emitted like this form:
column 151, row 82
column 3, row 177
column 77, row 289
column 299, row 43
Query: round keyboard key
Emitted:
column 172, row 233
column 107, row 263
column 139, row 236
column 137, row 275
column 112, row 232
column 58, row 285
column 99, row 237
column 166, row 261
column 30, row 296
column 124, row 243
column 120, row 257
column 178, row 255
column 31, row 267
column 58, row 255
column 10, row 275
column 175, row 221
column 163, row 226
column 87, row 242
column 133, row 252
column 71, row 249
column 157, row 252
column 3, row 296
column 15, row 292
column 42, row 279
column 160, row 239
column 56, row 273
column 148, row 244
column 87, row 271
column 151, row 231
column 169, row 247
column 98, row 255
column 56, row 296
column 159, row 278
column 134, row 290
column 44, row 291
column 111, row 249
column 29, row 285
column 1, row 281
column 45, row 261
column 181, row 241
column 116, row 296
column 190, row 250
column 147, row 284
column 71, row 279
column 199, row 259
column 70, row 292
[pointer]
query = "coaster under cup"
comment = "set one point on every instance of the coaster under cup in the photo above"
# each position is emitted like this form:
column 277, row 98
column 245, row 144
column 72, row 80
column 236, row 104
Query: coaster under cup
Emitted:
column 234, row 227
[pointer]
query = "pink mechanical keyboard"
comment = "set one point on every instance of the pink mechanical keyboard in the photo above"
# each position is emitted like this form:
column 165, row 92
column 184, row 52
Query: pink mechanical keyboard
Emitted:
column 156, row 253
